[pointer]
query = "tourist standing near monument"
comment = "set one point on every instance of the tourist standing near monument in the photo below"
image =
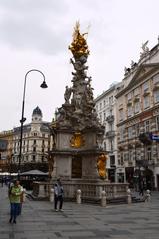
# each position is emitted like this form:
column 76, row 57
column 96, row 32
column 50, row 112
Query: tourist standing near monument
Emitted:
column 58, row 195
column 14, row 197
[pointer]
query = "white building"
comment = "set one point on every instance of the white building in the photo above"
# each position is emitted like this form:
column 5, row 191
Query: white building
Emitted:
column 106, row 109
column 35, row 143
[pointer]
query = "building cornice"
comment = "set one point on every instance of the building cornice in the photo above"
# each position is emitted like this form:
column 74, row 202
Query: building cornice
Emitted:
column 141, row 116
column 142, row 72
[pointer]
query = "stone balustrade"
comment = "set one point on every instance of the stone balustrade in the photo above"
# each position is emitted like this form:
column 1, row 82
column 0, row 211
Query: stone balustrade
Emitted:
column 92, row 191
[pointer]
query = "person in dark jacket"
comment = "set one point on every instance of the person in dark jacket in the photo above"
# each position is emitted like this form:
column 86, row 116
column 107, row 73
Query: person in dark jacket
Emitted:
column 58, row 195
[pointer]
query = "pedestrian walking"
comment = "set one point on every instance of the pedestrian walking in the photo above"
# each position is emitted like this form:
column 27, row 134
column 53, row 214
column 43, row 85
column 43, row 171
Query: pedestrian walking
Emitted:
column 14, row 197
column 58, row 195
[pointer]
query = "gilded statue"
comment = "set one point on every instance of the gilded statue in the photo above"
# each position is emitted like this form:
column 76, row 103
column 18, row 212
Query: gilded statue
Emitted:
column 77, row 140
column 101, row 165
column 79, row 45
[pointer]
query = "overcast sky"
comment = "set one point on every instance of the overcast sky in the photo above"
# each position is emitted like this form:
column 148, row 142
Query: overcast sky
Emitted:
column 36, row 34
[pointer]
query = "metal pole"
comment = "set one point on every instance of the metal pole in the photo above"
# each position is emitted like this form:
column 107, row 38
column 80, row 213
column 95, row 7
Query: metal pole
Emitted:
column 23, row 120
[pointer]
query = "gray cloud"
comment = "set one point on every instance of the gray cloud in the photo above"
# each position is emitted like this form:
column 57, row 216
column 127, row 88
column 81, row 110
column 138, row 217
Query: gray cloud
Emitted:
column 33, row 25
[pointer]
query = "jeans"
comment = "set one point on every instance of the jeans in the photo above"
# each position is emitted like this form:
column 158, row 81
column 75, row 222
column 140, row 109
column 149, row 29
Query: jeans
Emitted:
column 60, row 199
column 19, row 209
column 14, row 207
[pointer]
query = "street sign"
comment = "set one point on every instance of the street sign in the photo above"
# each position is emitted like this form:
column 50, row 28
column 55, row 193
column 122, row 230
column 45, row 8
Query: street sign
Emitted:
column 154, row 137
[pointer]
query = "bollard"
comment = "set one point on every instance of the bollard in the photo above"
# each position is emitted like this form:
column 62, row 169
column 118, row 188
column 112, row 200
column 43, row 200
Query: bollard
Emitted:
column 103, row 199
column 24, row 194
column 129, row 199
column 52, row 195
column 148, row 195
column 78, row 196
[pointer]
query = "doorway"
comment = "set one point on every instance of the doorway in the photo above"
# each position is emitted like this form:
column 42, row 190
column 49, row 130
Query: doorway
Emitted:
column 77, row 167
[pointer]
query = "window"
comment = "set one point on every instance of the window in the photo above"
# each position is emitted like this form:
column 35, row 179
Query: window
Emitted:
column 145, row 86
column 137, row 130
column 110, row 100
column 156, row 79
column 111, row 127
column 100, row 117
column 33, row 158
column 129, row 110
column 34, row 149
column 156, row 96
column 129, row 96
column 121, row 114
column 104, row 114
column 35, row 134
column 157, row 123
column 149, row 153
column 130, row 155
column 137, row 107
column 112, row 160
column 147, row 126
column 130, row 132
column 104, row 103
column 122, row 133
column 111, row 145
column 34, row 141
column 146, row 101
column 100, row 106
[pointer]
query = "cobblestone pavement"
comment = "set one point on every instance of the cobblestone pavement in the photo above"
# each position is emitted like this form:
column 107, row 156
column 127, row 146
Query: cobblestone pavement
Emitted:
column 40, row 221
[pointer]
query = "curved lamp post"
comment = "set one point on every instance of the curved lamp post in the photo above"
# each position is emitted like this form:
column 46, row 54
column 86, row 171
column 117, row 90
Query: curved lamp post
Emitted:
column 43, row 85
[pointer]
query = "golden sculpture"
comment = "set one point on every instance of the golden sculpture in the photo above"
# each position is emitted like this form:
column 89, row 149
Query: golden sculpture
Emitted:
column 101, row 165
column 79, row 45
column 77, row 140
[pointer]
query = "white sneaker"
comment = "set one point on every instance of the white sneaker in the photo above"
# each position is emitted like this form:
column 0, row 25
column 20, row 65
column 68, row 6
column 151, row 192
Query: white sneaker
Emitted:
column 56, row 210
column 61, row 210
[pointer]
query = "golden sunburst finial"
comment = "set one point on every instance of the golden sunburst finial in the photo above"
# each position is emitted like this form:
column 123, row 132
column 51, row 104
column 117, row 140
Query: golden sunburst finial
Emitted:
column 79, row 45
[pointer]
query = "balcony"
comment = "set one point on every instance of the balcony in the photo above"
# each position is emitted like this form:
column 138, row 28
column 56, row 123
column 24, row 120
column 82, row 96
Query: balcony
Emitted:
column 110, row 133
column 110, row 118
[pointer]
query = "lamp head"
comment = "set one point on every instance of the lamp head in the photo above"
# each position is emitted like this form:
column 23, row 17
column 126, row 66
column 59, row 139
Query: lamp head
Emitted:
column 43, row 85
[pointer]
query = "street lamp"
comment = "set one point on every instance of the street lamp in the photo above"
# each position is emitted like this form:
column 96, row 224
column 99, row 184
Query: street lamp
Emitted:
column 43, row 85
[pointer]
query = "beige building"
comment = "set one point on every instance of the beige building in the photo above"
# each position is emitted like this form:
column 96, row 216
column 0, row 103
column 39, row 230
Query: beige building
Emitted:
column 6, row 146
column 35, row 144
column 138, row 120
column 106, row 109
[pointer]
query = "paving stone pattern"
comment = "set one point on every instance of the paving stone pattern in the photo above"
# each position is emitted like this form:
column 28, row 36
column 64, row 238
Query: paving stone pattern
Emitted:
column 40, row 221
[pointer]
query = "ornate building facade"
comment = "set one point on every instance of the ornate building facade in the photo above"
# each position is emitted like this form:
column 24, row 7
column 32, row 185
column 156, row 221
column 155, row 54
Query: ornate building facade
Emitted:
column 35, row 144
column 138, row 119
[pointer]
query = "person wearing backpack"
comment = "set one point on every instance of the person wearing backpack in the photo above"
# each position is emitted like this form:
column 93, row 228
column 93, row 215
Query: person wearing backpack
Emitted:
column 58, row 195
